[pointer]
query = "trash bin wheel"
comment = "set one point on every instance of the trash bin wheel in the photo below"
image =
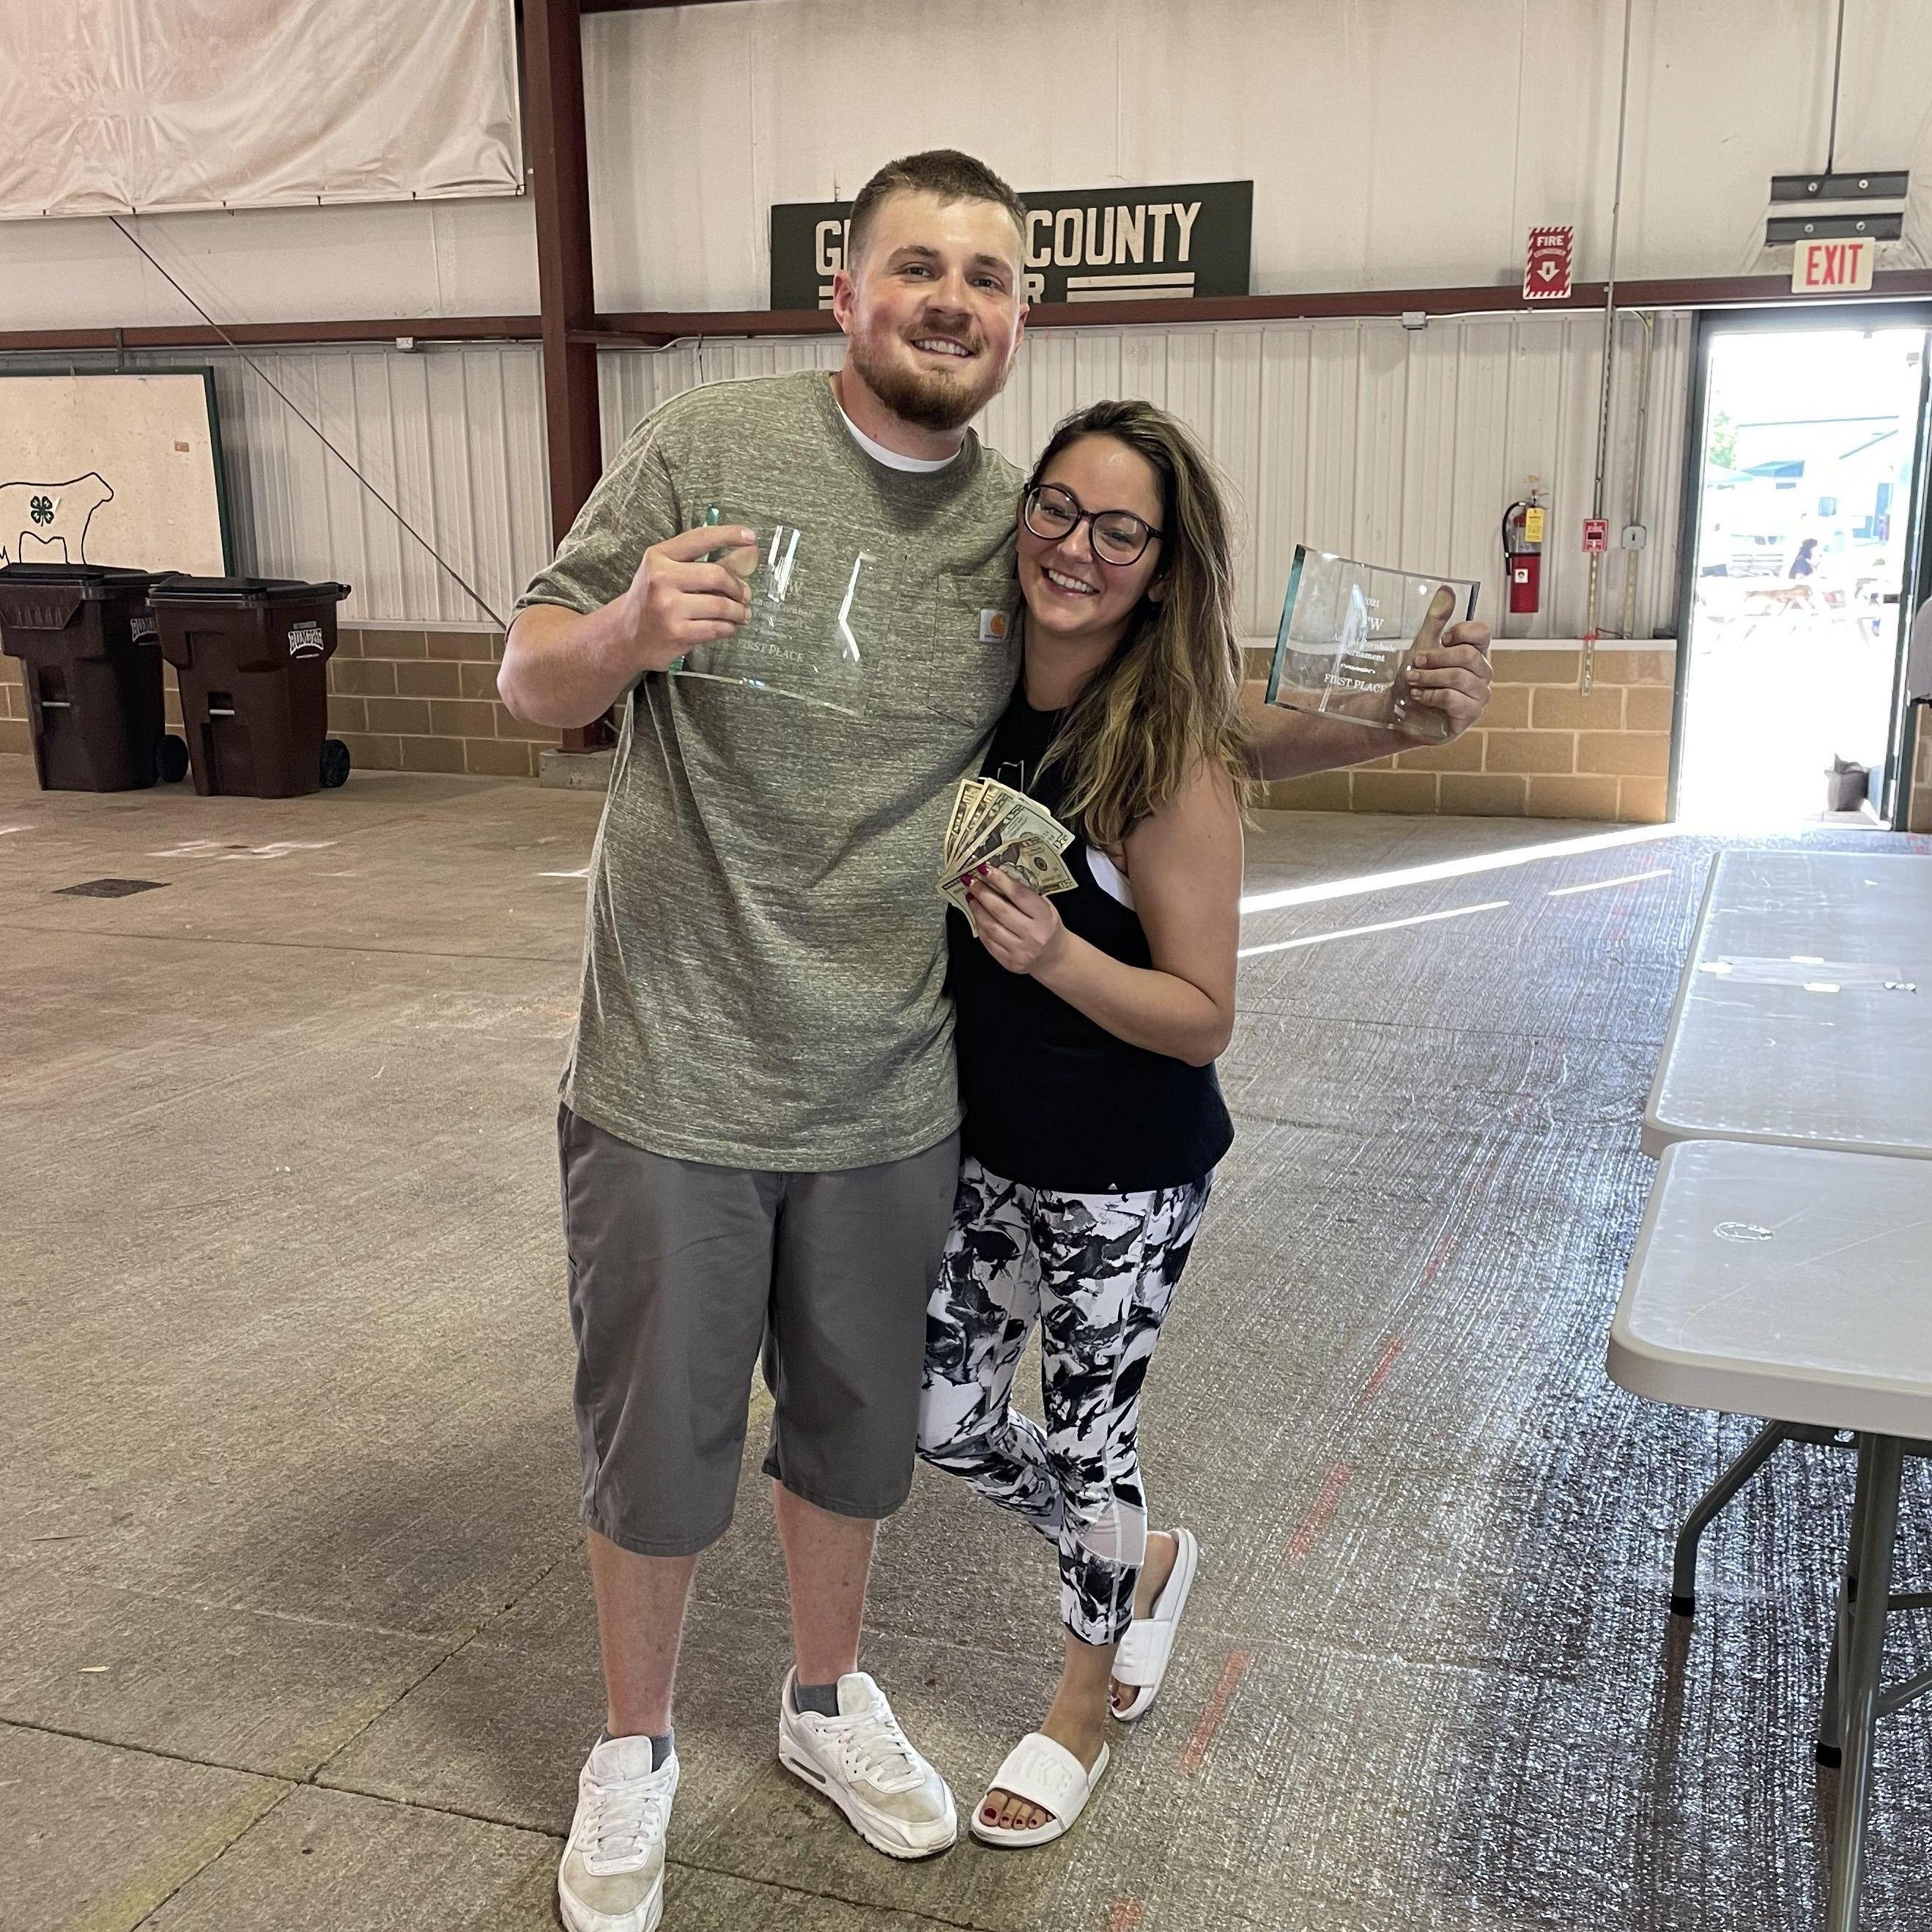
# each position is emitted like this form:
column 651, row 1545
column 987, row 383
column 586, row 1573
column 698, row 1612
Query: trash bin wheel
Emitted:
column 335, row 763
column 174, row 759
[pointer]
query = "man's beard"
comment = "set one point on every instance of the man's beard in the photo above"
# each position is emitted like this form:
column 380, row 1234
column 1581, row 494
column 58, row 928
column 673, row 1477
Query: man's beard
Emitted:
column 934, row 402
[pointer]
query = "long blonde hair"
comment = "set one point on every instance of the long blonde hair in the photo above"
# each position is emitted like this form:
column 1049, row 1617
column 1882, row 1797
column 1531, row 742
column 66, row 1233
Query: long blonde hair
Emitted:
column 1169, row 698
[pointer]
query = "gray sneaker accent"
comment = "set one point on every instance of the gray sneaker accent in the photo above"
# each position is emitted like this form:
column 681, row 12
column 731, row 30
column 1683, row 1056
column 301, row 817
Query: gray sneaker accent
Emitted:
column 821, row 1699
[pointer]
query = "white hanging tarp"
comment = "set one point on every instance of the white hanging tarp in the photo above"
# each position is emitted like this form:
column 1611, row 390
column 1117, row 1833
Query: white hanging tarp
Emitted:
column 113, row 106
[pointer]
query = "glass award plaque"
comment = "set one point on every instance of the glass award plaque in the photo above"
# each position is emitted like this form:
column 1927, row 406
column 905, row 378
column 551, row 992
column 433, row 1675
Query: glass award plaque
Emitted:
column 802, row 639
column 1348, row 631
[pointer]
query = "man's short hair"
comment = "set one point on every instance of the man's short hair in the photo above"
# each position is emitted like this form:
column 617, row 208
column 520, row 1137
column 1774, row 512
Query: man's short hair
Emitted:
column 943, row 173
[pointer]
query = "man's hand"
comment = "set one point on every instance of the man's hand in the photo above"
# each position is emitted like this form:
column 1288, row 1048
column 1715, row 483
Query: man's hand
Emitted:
column 678, row 599
column 562, row 667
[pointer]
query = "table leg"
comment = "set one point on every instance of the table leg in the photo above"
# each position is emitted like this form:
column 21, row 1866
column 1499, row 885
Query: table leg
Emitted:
column 1880, row 1459
column 1684, row 1565
column 1831, row 1721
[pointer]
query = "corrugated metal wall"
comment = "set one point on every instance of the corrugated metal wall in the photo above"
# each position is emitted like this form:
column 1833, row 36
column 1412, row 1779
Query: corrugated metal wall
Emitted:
column 453, row 436
column 1385, row 442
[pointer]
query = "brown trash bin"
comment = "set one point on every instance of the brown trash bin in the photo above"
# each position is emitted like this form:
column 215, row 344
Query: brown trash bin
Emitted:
column 251, row 656
column 84, row 636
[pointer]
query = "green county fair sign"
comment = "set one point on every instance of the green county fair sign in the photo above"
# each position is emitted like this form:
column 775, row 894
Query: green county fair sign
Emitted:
column 1085, row 245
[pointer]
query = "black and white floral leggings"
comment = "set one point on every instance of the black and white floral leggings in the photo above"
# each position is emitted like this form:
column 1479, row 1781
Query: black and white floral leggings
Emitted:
column 1097, row 1272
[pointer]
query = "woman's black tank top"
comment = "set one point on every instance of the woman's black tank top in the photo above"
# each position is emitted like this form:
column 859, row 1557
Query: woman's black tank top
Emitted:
column 1052, row 1099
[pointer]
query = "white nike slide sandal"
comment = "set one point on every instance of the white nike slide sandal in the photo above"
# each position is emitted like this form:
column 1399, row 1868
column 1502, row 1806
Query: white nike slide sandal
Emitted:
column 1148, row 1646
column 1047, row 1775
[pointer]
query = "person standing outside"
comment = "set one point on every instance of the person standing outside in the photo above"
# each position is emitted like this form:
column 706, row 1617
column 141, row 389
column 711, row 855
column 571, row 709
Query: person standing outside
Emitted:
column 758, row 1127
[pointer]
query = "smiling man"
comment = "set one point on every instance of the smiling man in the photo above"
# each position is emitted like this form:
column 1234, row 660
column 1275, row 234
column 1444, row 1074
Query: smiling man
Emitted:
column 758, row 1132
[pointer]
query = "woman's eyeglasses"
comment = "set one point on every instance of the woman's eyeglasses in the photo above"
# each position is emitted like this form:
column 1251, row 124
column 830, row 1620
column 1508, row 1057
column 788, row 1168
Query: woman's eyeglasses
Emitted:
column 1119, row 536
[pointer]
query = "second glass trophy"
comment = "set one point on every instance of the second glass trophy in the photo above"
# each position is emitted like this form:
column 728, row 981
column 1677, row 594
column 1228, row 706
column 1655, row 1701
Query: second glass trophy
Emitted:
column 1348, row 632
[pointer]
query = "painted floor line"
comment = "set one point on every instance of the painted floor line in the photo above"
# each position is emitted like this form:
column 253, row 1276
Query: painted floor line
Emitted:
column 1360, row 931
column 1452, row 869
column 1604, row 885
column 1195, row 1755
column 1384, row 1367
column 1320, row 1511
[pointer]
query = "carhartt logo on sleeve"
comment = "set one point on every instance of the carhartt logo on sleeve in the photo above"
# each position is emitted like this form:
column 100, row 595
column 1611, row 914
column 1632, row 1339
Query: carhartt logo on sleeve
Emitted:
column 995, row 626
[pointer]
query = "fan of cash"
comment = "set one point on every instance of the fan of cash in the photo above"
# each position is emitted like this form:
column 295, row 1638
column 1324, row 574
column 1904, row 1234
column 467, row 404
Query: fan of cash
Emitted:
column 993, row 825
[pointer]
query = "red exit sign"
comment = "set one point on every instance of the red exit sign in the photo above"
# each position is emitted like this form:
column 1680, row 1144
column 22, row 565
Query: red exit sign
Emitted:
column 1822, row 267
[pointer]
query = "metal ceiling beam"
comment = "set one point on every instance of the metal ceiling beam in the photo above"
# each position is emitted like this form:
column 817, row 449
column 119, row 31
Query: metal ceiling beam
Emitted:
column 655, row 329
column 411, row 328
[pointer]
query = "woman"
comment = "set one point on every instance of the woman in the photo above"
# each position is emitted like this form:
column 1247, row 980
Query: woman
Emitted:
column 1088, row 1026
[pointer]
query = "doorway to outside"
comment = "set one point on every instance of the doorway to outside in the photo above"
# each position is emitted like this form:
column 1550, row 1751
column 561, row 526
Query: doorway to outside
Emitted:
column 1809, row 451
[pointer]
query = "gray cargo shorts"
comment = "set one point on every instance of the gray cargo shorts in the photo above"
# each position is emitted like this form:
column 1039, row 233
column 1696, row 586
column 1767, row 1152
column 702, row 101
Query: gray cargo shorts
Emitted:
column 681, row 1273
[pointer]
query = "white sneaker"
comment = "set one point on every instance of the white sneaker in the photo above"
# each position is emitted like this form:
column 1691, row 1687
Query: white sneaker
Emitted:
column 864, row 1763
column 611, row 1878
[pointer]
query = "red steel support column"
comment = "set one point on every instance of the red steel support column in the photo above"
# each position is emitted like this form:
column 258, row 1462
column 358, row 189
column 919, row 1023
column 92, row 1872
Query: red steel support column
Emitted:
column 554, row 66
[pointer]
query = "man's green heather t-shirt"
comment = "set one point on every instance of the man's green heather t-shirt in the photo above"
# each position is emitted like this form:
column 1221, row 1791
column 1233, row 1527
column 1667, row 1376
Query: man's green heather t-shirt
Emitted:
column 764, row 971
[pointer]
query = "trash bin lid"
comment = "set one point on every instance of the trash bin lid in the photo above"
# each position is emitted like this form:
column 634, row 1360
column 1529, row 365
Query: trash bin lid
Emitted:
column 93, row 579
column 182, row 590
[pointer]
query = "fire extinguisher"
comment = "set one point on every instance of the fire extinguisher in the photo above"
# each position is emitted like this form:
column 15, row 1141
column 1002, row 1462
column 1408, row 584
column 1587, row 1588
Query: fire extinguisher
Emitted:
column 1523, row 554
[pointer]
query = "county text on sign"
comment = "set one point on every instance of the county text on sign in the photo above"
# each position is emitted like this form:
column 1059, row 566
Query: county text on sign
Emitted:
column 1084, row 245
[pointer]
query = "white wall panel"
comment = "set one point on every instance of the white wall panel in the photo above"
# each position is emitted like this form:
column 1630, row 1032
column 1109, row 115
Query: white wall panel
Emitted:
column 274, row 265
column 1395, row 444
column 1393, row 143
column 453, row 437
column 1360, row 437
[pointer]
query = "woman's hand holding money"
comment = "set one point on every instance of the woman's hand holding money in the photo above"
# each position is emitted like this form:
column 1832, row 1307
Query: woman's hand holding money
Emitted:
column 1019, row 927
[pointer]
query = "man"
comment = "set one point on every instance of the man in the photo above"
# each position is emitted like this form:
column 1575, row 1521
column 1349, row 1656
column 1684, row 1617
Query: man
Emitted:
column 758, row 1132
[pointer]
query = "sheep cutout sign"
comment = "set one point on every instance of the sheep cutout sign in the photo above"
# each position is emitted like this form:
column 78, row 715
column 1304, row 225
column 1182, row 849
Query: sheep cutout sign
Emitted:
column 47, row 523
column 122, row 469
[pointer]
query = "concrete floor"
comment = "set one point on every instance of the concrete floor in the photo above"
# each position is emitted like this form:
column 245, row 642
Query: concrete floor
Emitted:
column 295, row 1629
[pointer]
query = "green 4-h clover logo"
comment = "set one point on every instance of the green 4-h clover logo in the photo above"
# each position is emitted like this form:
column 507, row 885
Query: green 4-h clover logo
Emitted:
column 41, row 509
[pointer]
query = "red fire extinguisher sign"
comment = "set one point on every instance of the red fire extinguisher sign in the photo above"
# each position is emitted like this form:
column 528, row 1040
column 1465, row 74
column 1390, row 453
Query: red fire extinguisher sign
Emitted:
column 1545, row 266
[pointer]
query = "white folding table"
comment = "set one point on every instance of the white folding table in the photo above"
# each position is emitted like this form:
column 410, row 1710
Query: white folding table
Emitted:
column 1795, row 1283
column 1804, row 1015
column 1803, row 1018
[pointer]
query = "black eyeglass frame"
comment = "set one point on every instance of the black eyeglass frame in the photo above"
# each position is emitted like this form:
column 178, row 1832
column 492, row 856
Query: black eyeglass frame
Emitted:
column 1091, row 518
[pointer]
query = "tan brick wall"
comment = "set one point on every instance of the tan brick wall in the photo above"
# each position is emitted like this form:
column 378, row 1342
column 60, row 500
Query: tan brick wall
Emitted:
column 1544, row 749
column 409, row 699
column 424, row 700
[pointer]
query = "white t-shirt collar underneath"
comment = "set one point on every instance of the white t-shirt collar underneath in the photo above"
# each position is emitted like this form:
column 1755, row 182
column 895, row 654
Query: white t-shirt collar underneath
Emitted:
column 916, row 466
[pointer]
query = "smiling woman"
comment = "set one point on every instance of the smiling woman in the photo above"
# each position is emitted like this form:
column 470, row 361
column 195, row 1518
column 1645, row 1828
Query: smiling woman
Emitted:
column 1087, row 1024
